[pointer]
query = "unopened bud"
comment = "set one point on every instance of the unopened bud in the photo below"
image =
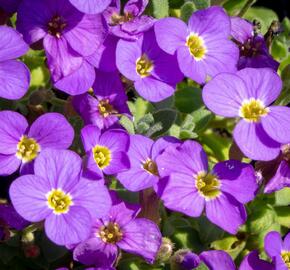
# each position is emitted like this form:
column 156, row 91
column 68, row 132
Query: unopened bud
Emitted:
column 184, row 259
column 165, row 251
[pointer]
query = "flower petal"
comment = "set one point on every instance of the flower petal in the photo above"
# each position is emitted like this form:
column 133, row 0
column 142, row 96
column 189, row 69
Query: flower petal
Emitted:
column 91, row 6
column 127, row 54
column 61, row 168
column 52, row 130
column 180, row 194
column 253, row 262
column 204, row 22
column 116, row 140
column 95, row 252
column 12, row 44
column 262, row 83
column 238, row 179
column 9, row 164
column 241, row 30
column 119, row 163
column 90, row 135
column 79, row 81
column 273, row 244
column 14, row 79
column 254, row 141
column 88, row 34
column 226, row 212
column 12, row 126
column 142, row 237
column 281, row 178
column 136, row 179
column 153, row 90
column 224, row 94
column 276, row 124
column 188, row 158
column 93, row 196
column 217, row 260
column 70, row 228
column 196, row 70
column 171, row 34
column 28, row 196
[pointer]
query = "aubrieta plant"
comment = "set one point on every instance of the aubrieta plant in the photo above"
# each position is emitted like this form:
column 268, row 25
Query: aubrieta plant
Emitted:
column 139, row 135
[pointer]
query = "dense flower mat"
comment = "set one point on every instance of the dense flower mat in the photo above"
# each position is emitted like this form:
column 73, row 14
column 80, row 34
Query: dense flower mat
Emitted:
column 144, row 135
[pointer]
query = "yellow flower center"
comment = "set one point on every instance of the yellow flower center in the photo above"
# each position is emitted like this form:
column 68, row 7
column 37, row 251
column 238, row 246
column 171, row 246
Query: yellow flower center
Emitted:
column 144, row 66
column 105, row 108
column 253, row 109
column 27, row 149
column 59, row 201
column 110, row 233
column 208, row 185
column 150, row 166
column 102, row 156
column 286, row 258
column 196, row 46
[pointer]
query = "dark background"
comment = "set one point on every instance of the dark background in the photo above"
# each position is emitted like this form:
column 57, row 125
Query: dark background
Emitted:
column 281, row 7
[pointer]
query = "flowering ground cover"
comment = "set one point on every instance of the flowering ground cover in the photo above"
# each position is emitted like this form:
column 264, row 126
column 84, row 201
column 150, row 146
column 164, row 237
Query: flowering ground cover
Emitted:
column 144, row 134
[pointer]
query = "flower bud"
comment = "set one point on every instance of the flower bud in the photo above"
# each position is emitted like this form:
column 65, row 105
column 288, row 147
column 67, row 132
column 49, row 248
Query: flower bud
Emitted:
column 165, row 251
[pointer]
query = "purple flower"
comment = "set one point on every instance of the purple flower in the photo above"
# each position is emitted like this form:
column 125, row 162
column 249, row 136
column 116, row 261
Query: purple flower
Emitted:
column 108, row 103
column 59, row 195
column 213, row 259
column 106, row 152
column 14, row 75
column 20, row 144
column 154, row 72
column 91, row 6
column 203, row 47
column 120, row 229
column 190, row 186
column 11, row 217
column 278, row 250
column 10, row 6
column 253, row 262
column 68, row 37
column 129, row 24
column 253, row 49
column 281, row 178
column 142, row 153
column 248, row 94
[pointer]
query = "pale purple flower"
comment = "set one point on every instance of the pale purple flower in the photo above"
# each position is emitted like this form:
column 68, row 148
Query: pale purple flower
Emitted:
column 203, row 47
column 248, row 94
column 14, row 75
column 91, row 6
column 20, row 144
column 190, row 187
column 59, row 195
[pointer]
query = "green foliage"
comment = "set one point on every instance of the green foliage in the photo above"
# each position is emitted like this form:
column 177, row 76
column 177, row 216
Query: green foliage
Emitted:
column 160, row 8
column 186, row 10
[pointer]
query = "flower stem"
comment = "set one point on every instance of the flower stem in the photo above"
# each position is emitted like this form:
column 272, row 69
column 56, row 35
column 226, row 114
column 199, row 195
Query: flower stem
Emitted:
column 248, row 4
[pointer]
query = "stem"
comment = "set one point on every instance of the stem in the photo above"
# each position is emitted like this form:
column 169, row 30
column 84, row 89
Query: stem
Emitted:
column 248, row 4
column 58, row 102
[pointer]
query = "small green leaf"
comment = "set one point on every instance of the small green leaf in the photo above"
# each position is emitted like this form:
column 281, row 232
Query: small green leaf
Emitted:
column 201, row 266
column 283, row 197
column 127, row 124
column 186, row 11
column 201, row 4
column 165, row 118
column 201, row 118
column 160, row 8
column 283, row 215
column 188, row 99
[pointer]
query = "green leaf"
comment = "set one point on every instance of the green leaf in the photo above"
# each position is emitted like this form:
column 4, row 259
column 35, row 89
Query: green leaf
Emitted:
column 233, row 6
column 186, row 11
column 283, row 197
column 283, row 215
column 201, row 4
column 127, row 124
column 175, row 3
column 160, row 8
column 164, row 118
column 201, row 118
column 279, row 48
column 201, row 266
column 264, row 15
column 188, row 99
column 139, row 108
column 187, row 134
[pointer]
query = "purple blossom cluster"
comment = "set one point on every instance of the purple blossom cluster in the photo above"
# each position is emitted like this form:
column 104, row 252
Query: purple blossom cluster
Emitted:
column 91, row 48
